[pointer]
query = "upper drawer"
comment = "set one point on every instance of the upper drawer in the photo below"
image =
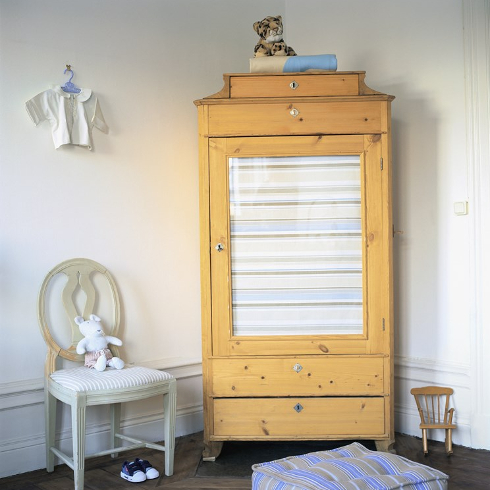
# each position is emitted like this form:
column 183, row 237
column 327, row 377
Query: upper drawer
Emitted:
column 308, row 376
column 292, row 118
column 294, row 85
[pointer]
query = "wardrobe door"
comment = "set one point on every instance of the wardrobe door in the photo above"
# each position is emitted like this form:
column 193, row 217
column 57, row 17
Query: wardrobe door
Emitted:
column 297, row 245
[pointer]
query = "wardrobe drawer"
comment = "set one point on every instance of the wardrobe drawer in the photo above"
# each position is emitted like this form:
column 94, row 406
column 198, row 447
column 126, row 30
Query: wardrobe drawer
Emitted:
column 306, row 376
column 298, row 417
column 294, row 85
column 290, row 118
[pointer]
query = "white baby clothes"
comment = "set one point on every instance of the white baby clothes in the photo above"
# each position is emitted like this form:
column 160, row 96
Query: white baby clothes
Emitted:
column 72, row 116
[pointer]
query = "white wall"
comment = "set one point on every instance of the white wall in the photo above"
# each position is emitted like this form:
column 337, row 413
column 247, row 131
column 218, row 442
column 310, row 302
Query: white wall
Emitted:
column 132, row 203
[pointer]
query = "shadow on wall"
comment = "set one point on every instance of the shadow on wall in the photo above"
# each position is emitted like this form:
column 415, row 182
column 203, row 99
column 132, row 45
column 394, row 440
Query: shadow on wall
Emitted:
column 415, row 212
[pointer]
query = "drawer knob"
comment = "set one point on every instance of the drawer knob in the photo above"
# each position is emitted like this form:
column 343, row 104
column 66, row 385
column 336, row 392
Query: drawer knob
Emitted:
column 294, row 112
column 298, row 407
column 294, row 85
column 297, row 368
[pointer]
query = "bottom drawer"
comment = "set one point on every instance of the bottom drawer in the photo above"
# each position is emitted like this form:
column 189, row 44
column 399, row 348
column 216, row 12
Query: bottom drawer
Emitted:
column 298, row 417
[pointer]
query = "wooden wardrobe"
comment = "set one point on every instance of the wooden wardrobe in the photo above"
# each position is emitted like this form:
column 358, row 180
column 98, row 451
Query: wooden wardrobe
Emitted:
column 296, row 259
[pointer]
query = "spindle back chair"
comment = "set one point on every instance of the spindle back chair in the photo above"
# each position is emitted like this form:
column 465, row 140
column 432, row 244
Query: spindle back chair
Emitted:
column 433, row 407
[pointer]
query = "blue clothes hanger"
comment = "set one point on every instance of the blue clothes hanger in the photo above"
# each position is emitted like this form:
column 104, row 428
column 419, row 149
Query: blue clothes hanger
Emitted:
column 69, row 86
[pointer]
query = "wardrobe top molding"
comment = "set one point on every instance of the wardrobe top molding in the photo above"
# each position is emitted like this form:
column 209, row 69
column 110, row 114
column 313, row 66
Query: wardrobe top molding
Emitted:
column 247, row 87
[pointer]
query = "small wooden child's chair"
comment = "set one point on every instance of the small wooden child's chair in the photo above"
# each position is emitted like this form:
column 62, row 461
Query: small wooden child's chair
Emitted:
column 433, row 406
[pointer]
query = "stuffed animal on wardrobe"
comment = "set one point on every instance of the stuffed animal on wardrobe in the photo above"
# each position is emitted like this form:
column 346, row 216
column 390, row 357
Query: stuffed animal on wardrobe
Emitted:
column 271, row 42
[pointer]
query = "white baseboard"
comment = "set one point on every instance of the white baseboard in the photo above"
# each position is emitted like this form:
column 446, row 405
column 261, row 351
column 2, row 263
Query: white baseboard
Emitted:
column 480, row 437
column 22, row 445
column 414, row 372
column 28, row 453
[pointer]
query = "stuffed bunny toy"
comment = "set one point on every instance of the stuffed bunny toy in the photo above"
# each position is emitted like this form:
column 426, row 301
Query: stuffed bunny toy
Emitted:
column 95, row 344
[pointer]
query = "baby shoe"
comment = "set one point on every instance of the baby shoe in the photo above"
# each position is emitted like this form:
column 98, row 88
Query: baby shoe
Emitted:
column 133, row 472
column 151, row 473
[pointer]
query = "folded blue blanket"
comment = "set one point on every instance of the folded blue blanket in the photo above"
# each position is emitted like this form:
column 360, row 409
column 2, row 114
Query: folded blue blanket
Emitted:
column 314, row 62
column 288, row 64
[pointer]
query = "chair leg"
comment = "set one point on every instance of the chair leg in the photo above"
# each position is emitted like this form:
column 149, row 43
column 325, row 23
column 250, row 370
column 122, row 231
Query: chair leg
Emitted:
column 50, row 425
column 78, row 433
column 424, row 439
column 170, row 409
column 115, row 425
column 449, row 441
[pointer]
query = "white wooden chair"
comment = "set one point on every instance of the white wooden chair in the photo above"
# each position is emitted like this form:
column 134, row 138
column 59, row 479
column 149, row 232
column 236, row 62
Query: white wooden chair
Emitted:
column 81, row 387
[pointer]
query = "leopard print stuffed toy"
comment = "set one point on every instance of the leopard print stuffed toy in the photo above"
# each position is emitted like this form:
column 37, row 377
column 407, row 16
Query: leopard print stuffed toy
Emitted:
column 271, row 42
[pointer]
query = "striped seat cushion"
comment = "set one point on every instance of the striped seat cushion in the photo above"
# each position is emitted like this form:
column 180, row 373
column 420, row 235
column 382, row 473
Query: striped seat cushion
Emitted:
column 351, row 467
column 85, row 379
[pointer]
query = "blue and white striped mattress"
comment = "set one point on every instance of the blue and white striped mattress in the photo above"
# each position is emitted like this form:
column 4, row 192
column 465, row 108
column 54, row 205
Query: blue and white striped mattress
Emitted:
column 351, row 467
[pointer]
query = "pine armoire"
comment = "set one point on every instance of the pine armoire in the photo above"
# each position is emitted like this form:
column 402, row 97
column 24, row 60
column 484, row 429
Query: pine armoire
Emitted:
column 296, row 259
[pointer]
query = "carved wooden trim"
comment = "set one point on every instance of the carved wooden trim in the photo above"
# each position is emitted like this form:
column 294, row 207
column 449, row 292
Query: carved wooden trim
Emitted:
column 78, row 272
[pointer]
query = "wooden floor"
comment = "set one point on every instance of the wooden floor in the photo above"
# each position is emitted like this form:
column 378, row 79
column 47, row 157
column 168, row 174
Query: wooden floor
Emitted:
column 467, row 468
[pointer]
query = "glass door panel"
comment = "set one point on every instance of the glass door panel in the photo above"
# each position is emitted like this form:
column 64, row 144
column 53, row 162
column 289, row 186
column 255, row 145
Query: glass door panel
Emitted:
column 296, row 245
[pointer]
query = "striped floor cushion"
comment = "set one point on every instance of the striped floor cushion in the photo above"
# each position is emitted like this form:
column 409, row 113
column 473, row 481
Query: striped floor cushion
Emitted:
column 351, row 467
column 85, row 379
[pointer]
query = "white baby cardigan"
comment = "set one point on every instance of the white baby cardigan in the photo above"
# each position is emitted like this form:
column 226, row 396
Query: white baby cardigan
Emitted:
column 72, row 116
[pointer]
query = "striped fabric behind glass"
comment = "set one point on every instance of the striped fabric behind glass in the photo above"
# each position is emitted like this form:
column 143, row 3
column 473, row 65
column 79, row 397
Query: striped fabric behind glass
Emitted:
column 296, row 245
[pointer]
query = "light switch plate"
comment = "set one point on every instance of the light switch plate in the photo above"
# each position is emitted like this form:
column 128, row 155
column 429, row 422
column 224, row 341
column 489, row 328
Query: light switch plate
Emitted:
column 461, row 208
